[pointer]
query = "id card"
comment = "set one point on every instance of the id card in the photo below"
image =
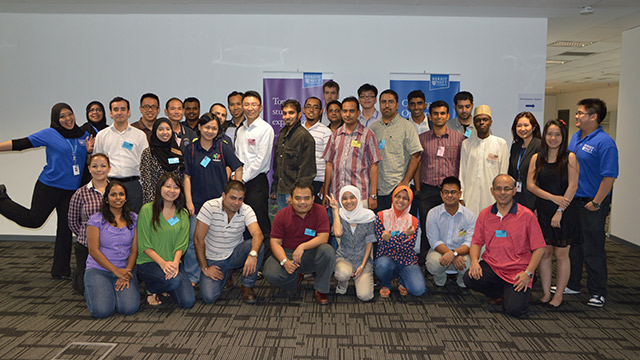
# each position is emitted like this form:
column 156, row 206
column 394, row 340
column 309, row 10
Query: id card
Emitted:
column 309, row 232
column 519, row 186
column 501, row 233
column 462, row 233
column 205, row 161
column 127, row 145
column 251, row 141
column 394, row 233
column 76, row 170
column 173, row 160
column 174, row 220
column 467, row 132
column 492, row 157
column 440, row 151
column 355, row 143
column 381, row 144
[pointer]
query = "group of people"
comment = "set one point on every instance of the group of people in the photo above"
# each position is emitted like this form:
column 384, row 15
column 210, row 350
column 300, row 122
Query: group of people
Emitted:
column 362, row 194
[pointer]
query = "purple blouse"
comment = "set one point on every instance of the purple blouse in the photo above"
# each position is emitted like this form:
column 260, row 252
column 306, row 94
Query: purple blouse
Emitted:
column 115, row 243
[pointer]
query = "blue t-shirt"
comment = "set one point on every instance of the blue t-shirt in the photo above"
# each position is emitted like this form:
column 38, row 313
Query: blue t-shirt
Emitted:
column 597, row 155
column 58, row 172
column 207, row 169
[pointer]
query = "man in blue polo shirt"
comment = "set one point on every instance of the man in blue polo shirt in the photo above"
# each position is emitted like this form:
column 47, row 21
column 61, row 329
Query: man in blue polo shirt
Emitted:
column 598, row 158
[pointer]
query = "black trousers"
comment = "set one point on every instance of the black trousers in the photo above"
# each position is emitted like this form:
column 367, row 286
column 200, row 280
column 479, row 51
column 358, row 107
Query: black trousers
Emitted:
column 317, row 185
column 257, row 196
column 429, row 197
column 77, row 280
column 493, row 286
column 44, row 199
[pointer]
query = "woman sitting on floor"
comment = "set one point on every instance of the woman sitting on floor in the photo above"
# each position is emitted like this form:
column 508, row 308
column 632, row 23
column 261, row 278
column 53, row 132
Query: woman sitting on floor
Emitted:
column 109, row 280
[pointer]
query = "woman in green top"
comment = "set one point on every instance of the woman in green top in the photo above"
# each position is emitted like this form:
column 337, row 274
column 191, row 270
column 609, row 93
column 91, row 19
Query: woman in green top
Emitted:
column 163, row 235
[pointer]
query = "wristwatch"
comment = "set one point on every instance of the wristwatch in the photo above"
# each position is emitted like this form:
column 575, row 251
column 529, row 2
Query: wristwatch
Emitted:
column 528, row 273
column 253, row 253
column 374, row 196
column 283, row 261
column 455, row 253
column 595, row 204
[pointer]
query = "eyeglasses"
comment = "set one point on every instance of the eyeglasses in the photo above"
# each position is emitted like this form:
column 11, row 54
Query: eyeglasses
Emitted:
column 334, row 110
column 314, row 107
column 368, row 97
column 580, row 113
column 150, row 107
column 449, row 192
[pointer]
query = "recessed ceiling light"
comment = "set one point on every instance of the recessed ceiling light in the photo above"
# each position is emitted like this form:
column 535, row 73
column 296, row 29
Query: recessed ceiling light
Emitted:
column 558, row 62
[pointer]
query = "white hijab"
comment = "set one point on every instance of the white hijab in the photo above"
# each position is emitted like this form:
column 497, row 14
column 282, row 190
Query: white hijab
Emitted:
column 359, row 215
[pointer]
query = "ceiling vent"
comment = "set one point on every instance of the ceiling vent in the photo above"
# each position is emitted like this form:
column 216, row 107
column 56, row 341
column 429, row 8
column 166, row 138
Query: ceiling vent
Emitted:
column 576, row 53
column 569, row 43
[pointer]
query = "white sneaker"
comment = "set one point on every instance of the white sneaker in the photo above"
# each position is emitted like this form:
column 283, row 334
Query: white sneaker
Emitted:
column 342, row 287
column 567, row 291
column 596, row 301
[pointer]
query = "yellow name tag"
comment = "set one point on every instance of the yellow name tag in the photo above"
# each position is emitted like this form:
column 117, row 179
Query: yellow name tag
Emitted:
column 355, row 143
column 462, row 233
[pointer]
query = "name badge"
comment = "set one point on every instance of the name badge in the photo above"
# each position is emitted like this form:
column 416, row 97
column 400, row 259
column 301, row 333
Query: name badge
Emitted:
column 492, row 157
column 76, row 170
column 205, row 161
column 440, row 151
column 381, row 144
column 127, row 145
column 462, row 233
column 355, row 143
column 519, row 186
column 394, row 233
column 309, row 232
column 467, row 132
column 251, row 141
column 173, row 160
column 501, row 233
column 174, row 220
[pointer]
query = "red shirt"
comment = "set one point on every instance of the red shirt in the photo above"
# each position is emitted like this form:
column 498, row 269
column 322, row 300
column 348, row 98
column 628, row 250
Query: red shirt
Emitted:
column 509, row 240
column 294, row 230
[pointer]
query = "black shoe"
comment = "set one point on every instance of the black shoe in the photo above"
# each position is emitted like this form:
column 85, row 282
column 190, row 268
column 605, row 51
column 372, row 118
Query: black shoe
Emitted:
column 3, row 192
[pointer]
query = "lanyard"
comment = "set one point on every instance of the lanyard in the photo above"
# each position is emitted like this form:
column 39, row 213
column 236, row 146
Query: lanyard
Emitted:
column 522, row 150
column 74, row 150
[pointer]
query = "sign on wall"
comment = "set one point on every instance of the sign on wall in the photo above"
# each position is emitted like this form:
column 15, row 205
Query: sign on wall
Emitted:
column 434, row 86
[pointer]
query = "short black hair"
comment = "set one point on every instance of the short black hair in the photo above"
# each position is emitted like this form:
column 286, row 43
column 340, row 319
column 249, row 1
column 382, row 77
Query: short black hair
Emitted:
column 416, row 94
column 595, row 106
column 437, row 104
column 292, row 103
column 451, row 180
column 462, row 95
column 166, row 106
column 252, row 93
column 118, row 99
column 234, row 185
column 335, row 102
column 301, row 184
column 351, row 99
column 150, row 95
column 367, row 87
column 234, row 93
column 389, row 91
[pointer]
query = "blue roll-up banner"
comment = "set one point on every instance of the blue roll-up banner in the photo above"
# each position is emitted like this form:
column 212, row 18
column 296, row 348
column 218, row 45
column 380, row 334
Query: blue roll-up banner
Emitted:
column 434, row 86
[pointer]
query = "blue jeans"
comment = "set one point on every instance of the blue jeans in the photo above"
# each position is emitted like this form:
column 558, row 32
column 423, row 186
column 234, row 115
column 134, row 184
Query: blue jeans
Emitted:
column 103, row 299
column 210, row 289
column 178, row 287
column 411, row 276
column 282, row 200
column 191, row 266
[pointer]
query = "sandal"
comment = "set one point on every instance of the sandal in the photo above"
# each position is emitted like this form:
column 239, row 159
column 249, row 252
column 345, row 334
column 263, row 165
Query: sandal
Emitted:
column 402, row 290
column 385, row 292
column 153, row 299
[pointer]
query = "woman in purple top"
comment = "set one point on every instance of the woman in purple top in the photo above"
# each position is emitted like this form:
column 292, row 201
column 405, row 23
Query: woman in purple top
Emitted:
column 110, row 282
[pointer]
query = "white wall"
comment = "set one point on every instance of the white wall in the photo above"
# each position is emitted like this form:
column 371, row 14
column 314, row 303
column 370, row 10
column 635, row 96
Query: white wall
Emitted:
column 76, row 58
column 625, row 195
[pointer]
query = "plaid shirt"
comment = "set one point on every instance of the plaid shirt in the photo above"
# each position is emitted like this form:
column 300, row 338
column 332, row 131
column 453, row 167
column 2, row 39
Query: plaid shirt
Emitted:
column 84, row 203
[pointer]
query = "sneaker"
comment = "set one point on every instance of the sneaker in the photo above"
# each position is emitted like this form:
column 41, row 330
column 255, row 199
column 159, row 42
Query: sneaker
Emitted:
column 596, row 301
column 567, row 291
column 342, row 287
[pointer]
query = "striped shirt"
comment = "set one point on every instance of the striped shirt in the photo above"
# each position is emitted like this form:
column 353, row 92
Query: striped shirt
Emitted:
column 321, row 135
column 352, row 156
column 440, row 157
column 84, row 203
column 397, row 141
column 223, row 235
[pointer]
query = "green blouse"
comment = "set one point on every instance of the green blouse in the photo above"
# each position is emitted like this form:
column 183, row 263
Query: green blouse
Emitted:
column 166, row 239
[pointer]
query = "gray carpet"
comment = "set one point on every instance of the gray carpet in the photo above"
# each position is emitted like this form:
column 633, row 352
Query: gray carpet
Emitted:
column 42, row 318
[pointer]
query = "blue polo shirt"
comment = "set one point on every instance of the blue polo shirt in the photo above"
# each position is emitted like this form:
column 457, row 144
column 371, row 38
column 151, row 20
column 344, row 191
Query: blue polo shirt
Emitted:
column 597, row 155
column 207, row 169
column 58, row 172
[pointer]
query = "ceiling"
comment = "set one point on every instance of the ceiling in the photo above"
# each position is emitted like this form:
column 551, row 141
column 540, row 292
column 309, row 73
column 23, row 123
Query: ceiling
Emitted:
column 595, row 66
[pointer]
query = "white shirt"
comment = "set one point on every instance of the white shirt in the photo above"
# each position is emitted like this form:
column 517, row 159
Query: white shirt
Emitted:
column 254, row 146
column 481, row 160
column 123, row 149
column 423, row 127
column 452, row 231
column 223, row 235
column 321, row 135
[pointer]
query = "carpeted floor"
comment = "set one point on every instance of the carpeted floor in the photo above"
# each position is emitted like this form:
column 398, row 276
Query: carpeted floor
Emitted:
column 42, row 318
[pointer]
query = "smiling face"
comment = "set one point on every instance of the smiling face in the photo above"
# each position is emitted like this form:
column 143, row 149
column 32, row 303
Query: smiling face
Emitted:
column 252, row 107
column 439, row 116
column 95, row 113
column 553, row 137
column 334, row 113
column 290, row 115
column 367, row 99
column 301, row 200
column 120, row 112
column 175, row 110
column 417, row 107
column 191, row 110
column 169, row 191
column 524, row 129
column 99, row 168
column 503, row 190
column 164, row 132
column 312, row 109
column 349, row 201
column 401, row 201
column 67, row 119
column 585, row 120
column 209, row 130
column 116, row 198
column 149, row 108
column 450, row 194
column 235, row 106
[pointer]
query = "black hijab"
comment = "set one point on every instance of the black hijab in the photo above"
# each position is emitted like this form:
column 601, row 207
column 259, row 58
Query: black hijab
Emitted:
column 74, row 133
column 163, row 151
column 93, row 127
